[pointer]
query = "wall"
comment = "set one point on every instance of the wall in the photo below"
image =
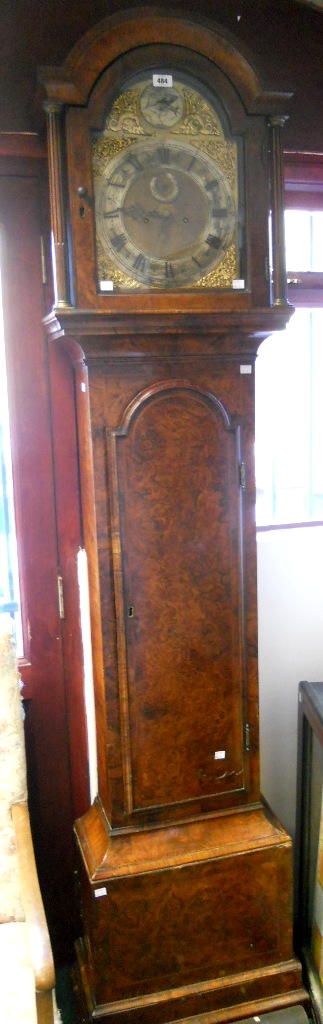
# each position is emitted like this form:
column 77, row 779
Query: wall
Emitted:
column 284, row 37
column 290, row 597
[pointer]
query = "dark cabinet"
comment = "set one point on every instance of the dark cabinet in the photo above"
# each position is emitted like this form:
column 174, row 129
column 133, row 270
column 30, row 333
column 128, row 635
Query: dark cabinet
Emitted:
column 309, row 840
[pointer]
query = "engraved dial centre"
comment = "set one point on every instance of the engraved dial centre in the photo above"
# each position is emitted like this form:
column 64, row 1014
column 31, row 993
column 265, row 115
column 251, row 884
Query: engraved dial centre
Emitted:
column 165, row 214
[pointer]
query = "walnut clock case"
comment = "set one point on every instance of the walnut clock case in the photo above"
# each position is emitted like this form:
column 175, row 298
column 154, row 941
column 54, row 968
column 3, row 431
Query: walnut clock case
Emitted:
column 165, row 161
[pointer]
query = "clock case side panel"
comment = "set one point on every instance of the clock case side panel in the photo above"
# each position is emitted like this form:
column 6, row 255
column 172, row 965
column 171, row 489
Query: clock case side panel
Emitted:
column 80, row 209
column 90, row 542
column 252, row 133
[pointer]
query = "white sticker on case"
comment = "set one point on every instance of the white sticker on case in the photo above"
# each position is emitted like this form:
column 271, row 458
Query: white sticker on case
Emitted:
column 106, row 286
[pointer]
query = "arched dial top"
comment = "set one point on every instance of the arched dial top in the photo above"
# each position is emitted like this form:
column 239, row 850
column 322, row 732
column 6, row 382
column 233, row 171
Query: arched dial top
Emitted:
column 168, row 203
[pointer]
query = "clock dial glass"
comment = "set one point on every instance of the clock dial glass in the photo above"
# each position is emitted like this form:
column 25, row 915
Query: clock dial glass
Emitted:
column 167, row 210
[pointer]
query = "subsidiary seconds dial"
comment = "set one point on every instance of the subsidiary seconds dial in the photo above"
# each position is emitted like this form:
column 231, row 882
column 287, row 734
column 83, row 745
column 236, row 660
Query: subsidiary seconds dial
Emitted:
column 165, row 213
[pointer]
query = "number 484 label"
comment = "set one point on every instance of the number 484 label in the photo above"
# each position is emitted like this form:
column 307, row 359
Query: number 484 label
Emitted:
column 166, row 81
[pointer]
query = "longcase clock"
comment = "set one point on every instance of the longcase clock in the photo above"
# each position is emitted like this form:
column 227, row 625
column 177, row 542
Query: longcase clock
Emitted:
column 165, row 162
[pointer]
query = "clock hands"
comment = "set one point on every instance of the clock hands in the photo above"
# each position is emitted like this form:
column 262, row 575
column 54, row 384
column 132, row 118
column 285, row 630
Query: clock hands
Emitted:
column 138, row 213
column 142, row 216
column 164, row 102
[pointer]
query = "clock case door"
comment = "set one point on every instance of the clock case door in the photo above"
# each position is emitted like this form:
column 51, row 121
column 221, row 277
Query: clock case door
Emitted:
column 83, row 124
column 176, row 511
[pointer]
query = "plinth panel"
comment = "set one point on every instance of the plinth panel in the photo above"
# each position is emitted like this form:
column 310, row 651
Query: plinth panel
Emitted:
column 208, row 930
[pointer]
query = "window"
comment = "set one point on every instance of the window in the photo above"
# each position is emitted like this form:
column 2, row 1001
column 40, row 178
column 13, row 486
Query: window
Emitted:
column 304, row 240
column 289, row 422
column 289, row 383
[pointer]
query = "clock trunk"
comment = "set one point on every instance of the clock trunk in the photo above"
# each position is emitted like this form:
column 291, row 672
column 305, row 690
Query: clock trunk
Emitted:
column 171, row 464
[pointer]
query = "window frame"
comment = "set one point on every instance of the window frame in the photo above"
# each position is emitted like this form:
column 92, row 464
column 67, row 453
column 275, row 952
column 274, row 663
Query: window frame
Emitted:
column 303, row 174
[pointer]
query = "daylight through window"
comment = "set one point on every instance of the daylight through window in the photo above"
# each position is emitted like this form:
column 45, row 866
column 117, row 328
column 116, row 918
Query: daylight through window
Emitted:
column 289, row 388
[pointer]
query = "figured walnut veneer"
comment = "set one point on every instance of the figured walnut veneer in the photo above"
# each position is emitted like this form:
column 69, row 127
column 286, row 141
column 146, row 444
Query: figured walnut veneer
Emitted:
column 176, row 929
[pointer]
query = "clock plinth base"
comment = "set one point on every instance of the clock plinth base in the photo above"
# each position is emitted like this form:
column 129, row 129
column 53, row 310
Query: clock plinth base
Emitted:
column 188, row 920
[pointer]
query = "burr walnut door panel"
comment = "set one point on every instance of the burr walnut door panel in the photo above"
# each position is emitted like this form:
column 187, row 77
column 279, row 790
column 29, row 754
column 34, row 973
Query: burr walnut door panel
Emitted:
column 176, row 525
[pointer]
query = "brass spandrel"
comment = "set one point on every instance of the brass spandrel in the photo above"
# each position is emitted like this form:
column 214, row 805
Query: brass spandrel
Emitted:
column 222, row 276
column 200, row 118
column 123, row 118
column 104, row 149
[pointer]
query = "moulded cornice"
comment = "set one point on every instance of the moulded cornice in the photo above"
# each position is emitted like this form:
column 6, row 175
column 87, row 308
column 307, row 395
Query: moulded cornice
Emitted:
column 119, row 33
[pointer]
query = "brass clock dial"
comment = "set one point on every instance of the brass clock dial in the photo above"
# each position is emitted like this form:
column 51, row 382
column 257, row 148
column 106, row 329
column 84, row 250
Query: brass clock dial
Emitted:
column 166, row 192
column 165, row 212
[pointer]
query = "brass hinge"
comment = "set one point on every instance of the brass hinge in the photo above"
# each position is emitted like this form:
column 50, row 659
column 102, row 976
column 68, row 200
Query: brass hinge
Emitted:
column 43, row 261
column 242, row 475
column 61, row 609
column 247, row 735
